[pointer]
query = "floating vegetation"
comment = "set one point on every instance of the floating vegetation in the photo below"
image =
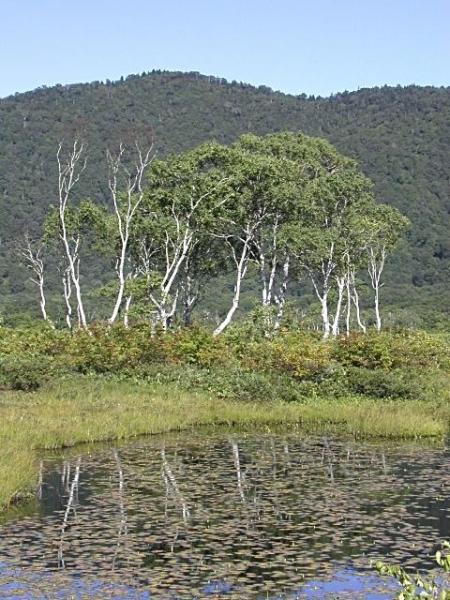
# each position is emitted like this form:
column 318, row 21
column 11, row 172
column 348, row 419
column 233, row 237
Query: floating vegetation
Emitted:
column 228, row 515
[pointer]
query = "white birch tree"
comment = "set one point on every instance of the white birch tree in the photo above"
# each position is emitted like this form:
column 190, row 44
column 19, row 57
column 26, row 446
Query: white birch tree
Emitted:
column 382, row 229
column 32, row 253
column 184, row 193
column 326, row 245
column 70, row 168
column 254, row 178
column 127, row 192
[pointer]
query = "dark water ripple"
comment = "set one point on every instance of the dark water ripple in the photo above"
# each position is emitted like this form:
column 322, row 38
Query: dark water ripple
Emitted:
column 239, row 516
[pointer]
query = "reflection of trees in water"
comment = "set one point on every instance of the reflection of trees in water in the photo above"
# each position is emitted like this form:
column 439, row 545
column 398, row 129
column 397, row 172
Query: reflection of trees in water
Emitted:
column 260, row 511
column 71, row 505
column 122, row 529
column 239, row 475
column 172, row 487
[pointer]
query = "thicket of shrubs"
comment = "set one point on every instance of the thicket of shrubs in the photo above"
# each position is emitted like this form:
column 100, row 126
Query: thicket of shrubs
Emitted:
column 241, row 364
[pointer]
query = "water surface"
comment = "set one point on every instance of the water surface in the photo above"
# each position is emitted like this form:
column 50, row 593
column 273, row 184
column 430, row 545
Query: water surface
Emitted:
column 227, row 515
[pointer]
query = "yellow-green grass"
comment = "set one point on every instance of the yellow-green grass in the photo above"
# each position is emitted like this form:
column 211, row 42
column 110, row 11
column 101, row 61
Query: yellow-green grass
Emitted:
column 80, row 410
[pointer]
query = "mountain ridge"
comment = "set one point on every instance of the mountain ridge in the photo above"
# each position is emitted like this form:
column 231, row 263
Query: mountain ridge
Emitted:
column 222, row 81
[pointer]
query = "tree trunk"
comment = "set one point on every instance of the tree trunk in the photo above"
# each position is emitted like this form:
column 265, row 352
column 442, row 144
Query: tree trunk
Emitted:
column 121, row 278
column 325, row 318
column 126, row 311
column 348, row 306
column 280, row 298
column 241, row 269
column 375, row 269
column 377, row 307
column 67, row 294
column 337, row 316
column 355, row 300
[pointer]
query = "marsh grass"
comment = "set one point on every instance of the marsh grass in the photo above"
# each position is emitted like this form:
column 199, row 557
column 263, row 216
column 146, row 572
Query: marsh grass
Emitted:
column 91, row 409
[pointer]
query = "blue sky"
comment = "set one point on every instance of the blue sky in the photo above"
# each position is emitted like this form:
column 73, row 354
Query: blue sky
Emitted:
column 310, row 46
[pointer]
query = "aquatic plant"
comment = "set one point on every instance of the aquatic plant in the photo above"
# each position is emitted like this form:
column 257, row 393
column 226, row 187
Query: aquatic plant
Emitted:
column 420, row 586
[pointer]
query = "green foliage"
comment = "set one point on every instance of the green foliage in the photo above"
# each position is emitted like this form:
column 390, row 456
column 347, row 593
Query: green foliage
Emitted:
column 419, row 586
column 300, row 355
column 379, row 383
column 233, row 383
column 394, row 349
column 25, row 374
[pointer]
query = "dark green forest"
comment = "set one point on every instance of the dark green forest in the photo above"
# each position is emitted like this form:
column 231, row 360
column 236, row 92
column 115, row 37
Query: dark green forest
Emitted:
column 399, row 136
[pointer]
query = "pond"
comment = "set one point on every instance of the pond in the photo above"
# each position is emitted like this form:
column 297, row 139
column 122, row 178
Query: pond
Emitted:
column 227, row 515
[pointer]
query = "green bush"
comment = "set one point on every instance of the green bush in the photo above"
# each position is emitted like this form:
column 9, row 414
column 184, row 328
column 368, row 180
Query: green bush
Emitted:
column 232, row 383
column 24, row 374
column 299, row 355
column 196, row 345
column 393, row 350
column 379, row 383
column 42, row 340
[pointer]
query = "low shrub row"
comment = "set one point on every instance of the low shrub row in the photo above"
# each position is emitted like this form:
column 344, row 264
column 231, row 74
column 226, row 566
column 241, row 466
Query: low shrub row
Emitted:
column 292, row 366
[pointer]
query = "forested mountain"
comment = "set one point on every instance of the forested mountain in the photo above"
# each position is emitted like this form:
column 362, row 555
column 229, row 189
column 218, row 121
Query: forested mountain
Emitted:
column 400, row 136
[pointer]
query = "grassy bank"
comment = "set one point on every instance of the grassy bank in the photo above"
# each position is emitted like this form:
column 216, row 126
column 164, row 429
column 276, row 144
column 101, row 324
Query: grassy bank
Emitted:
column 87, row 409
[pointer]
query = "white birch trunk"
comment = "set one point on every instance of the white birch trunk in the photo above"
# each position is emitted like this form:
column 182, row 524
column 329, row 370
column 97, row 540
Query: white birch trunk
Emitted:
column 69, row 173
column 125, row 215
column 348, row 305
column 280, row 297
column 126, row 311
column 325, row 317
column 190, row 297
column 375, row 269
column 67, row 287
column 35, row 264
column 176, row 250
column 355, row 300
column 341, row 284
column 241, row 268
column 321, row 284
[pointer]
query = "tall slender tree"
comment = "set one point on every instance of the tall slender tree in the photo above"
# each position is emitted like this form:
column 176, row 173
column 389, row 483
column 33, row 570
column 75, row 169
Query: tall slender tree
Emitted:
column 127, row 168
column 70, row 168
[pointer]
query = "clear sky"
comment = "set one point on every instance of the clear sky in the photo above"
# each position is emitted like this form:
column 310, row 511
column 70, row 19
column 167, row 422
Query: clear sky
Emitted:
column 310, row 46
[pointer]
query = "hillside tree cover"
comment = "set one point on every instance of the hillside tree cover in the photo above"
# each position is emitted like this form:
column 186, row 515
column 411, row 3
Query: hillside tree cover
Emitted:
column 398, row 135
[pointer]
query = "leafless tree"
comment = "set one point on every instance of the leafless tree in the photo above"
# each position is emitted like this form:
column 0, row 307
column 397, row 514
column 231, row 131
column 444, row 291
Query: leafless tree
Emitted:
column 70, row 169
column 126, row 187
column 375, row 269
column 32, row 253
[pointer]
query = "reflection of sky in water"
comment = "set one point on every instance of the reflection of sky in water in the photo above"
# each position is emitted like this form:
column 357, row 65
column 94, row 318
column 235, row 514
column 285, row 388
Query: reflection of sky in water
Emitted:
column 25, row 586
column 344, row 584
column 238, row 516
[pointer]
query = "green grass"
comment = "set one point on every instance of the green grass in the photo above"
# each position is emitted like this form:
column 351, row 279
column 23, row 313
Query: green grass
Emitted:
column 84, row 409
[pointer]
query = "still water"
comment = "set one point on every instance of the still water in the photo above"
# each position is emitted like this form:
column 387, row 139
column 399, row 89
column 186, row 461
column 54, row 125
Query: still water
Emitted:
column 227, row 515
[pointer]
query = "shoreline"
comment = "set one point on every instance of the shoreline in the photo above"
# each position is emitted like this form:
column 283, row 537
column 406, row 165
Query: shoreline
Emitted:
column 86, row 409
